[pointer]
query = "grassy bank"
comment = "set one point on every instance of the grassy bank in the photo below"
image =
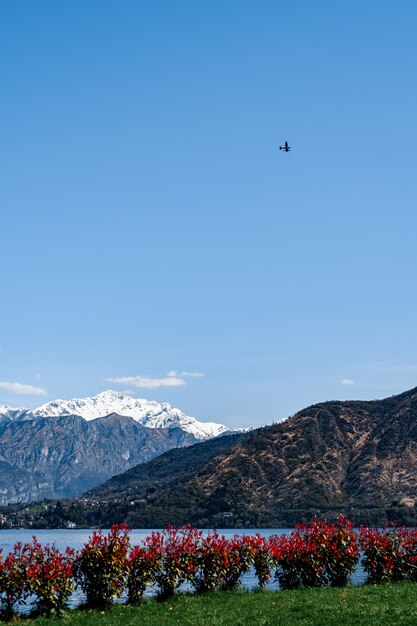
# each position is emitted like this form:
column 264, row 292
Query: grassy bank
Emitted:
column 355, row 605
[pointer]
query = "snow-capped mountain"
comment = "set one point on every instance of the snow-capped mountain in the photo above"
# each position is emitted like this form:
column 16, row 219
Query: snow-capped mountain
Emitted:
column 65, row 455
column 65, row 447
column 7, row 413
column 147, row 412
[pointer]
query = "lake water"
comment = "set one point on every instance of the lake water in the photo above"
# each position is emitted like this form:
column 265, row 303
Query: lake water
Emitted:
column 76, row 538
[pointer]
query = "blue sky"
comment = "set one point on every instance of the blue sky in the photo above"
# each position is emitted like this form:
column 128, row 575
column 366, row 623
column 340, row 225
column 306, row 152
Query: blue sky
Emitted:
column 150, row 227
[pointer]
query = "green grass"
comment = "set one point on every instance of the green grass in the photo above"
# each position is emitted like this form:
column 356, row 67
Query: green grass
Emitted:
column 354, row 605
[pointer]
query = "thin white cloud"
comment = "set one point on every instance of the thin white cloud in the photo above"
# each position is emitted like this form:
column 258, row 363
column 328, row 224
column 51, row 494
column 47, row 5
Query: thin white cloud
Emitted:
column 192, row 374
column 27, row 390
column 347, row 381
column 186, row 374
column 148, row 382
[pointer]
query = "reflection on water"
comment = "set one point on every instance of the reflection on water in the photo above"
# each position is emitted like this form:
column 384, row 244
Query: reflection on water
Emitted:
column 76, row 538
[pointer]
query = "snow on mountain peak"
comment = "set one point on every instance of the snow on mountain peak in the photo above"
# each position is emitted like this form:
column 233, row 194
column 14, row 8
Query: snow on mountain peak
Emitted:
column 147, row 412
column 10, row 413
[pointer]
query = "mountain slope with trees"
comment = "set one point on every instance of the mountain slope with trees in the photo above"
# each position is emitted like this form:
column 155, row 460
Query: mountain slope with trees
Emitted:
column 351, row 456
column 355, row 457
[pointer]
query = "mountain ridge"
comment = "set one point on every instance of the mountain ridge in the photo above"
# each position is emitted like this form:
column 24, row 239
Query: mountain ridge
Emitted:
column 353, row 457
column 149, row 413
column 65, row 455
column 332, row 456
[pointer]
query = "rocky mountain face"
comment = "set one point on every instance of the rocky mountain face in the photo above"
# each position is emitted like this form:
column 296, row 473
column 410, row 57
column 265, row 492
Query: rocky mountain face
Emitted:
column 64, row 455
column 66, row 447
column 332, row 456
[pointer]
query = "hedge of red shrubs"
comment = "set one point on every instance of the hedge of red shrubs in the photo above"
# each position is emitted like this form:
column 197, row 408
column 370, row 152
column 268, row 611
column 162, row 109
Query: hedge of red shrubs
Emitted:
column 313, row 555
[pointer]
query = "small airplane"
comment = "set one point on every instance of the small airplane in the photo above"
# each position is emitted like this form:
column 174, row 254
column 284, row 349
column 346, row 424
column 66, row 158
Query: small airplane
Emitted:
column 285, row 147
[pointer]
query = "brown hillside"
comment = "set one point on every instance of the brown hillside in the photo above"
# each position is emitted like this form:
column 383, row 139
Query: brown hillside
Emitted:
column 356, row 457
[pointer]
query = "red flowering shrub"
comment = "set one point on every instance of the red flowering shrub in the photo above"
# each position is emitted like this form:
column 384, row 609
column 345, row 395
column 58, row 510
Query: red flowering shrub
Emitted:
column 219, row 562
column 49, row 576
column 13, row 584
column 409, row 542
column 175, row 550
column 337, row 545
column 100, row 566
column 237, row 562
column 210, row 563
column 296, row 561
column 389, row 554
column 260, row 557
column 315, row 554
column 142, row 564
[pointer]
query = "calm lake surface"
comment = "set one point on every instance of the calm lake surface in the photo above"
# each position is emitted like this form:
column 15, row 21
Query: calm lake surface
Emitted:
column 76, row 538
